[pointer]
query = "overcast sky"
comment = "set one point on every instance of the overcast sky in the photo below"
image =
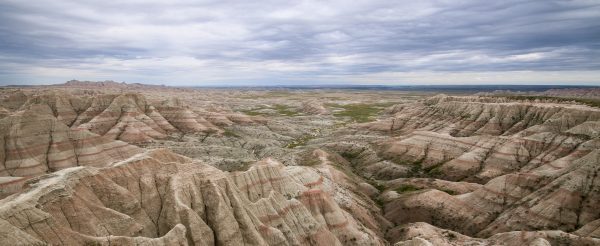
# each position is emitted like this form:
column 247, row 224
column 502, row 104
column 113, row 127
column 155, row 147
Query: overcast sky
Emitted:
column 245, row 42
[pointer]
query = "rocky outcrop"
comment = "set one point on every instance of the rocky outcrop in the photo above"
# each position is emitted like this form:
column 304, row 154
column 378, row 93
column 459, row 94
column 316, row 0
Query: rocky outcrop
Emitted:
column 557, row 195
column 573, row 93
column 123, row 117
column 445, row 170
column 34, row 142
column 162, row 198
column 469, row 116
column 129, row 117
column 425, row 234
column 14, row 100
column 314, row 107
column 109, row 84
column 523, row 166
column 480, row 158
column 477, row 138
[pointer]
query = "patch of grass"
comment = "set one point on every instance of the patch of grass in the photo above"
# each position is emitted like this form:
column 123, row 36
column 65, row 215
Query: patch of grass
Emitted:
column 377, row 185
column 582, row 137
column 285, row 110
column 40, row 244
column 406, row 188
column 252, row 112
column 267, row 94
column 229, row 133
column 306, row 158
column 91, row 243
column 279, row 108
column 360, row 112
column 349, row 156
column 278, row 94
column 435, row 172
column 416, row 168
column 311, row 162
column 240, row 167
column 379, row 202
column 301, row 141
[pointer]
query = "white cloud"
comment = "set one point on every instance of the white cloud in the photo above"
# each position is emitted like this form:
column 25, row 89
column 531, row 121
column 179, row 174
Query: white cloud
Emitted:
column 334, row 41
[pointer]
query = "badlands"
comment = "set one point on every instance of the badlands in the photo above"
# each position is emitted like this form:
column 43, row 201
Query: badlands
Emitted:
column 106, row 163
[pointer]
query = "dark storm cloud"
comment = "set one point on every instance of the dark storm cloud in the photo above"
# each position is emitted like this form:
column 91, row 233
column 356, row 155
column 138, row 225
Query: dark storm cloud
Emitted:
column 225, row 41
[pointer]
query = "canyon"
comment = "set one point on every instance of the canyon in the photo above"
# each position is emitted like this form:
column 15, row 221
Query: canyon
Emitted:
column 107, row 163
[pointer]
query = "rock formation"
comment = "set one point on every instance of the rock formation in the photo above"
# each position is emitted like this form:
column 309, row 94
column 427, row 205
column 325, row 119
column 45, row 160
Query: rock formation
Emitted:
column 162, row 198
column 119, row 164
column 538, row 164
column 314, row 107
column 35, row 142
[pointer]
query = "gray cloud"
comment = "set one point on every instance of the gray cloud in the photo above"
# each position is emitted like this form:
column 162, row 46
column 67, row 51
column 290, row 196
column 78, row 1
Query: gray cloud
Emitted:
column 237, row 42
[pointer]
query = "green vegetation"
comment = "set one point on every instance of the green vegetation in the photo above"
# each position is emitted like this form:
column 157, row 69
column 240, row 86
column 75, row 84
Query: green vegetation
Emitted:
column 241, row 166
column 229, row 133
column 285, row 110
column 91, row 243
column 589, row 102
column 40, row 244
column 406, row 188
column 306, row 158
column 416, row 168
column 434, row 170
column 360, row 112
column 311, row 161
column 252, row 112
column 377, row 185
column 278, row 93
column 349, row 156
column 379, row 202
column 281, row 109
column 301, row 141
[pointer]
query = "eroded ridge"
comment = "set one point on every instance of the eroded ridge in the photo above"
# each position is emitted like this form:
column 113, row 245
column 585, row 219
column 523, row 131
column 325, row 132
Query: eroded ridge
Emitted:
column 163, row 198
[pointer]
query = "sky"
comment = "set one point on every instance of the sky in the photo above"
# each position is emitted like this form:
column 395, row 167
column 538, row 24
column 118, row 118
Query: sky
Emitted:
column 195, row 43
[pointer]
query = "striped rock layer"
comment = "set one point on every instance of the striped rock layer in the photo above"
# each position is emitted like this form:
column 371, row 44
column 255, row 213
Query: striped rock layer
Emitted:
column 476, row 139
column 537, row 165
column 126, row 117
column 423, row 234
column 161, row 198
column 34, row 142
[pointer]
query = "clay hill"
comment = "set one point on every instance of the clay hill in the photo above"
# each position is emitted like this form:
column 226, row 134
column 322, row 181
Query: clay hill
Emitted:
column 128, row 117
column 82, row 165
column 593, row 93
column 484, row 167
column 160, row 198
column 109, row 84
column 50, row 131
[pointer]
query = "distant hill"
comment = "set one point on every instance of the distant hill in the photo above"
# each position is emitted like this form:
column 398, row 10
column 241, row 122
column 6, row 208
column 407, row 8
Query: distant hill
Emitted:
column 106, row 84
column 574, row 92
column 423, row 88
